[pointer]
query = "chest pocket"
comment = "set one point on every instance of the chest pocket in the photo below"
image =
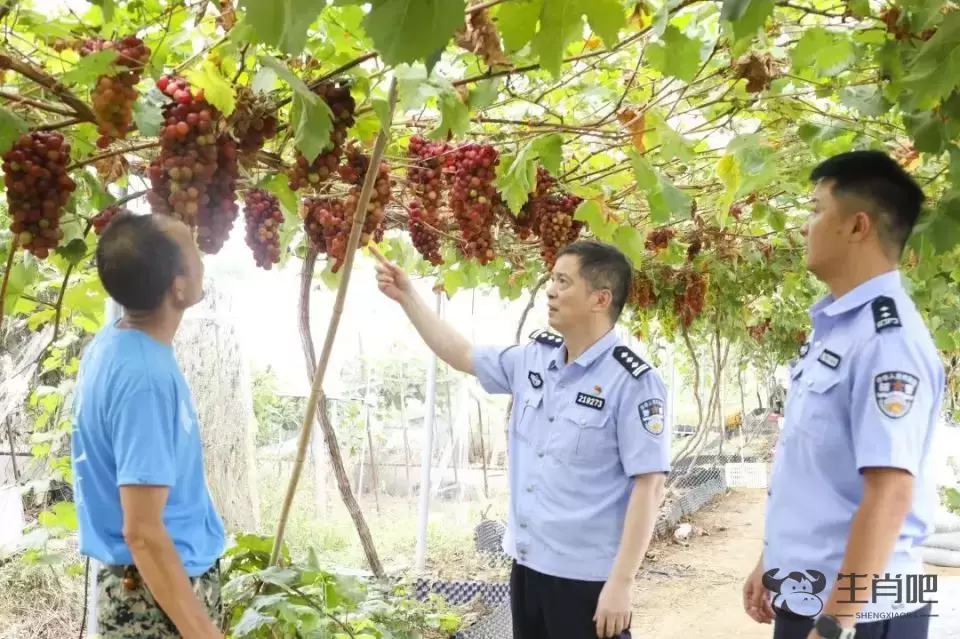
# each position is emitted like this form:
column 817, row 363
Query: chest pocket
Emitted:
column 587, row 435
column 818, row 395
column 529, row 406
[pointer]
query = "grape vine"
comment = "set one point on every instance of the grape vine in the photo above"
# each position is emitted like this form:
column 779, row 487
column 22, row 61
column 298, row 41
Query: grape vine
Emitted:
column 38, row 187
column 263, row 221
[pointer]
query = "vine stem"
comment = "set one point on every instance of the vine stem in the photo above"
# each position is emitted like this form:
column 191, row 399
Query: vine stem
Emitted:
column 14, row 244
column 110, row 154
column 318, row 375
column 49, row 82
column 40, row 104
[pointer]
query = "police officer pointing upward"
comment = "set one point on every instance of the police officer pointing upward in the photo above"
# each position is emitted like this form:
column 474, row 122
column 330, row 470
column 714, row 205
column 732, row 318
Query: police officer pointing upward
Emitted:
column 851, row 495
column 588, row 445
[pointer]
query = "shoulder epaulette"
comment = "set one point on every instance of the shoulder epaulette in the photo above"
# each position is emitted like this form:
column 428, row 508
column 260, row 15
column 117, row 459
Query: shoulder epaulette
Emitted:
column 885, row 314
column 546, row 338
column 630, row 361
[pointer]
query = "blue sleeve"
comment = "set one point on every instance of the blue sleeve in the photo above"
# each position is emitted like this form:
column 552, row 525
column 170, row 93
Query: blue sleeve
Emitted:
column 144, row 438
column 495, row 367
column 894, row 405
column 642, row 433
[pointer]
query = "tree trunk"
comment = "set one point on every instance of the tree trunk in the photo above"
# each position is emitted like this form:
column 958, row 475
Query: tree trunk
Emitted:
column 209, row 353
column 406, row 443
column 329, row 436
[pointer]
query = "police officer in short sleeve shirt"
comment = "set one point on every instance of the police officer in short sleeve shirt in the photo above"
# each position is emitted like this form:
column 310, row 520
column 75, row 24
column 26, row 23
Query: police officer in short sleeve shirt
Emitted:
column 851, row 494
column 588, row 446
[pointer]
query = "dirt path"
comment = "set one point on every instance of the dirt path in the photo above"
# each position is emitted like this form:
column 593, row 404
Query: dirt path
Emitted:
column 693, row 590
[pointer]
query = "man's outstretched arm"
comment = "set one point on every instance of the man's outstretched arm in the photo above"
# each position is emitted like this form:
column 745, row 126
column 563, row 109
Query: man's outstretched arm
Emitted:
column 449, row 345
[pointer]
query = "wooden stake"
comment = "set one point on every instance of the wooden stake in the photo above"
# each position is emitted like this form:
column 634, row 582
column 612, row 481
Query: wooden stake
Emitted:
column 315, row 390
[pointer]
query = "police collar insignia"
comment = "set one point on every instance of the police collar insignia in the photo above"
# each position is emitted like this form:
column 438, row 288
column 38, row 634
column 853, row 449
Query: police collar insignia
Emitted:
column 895, row 392
column 546, row 338
column 885, row 313
column 804, row 350
column 651, row 416
column 630, row 361
column 590, row 401
column 829, row 359
column 535, row 380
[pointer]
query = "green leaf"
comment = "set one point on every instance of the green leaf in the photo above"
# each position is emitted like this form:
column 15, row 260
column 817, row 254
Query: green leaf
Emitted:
column 664, row 199
column 89, row 68
column 747, row 16
column 216, row 89
column 677, row 56
column 630, row 241
column 454, row 116
column 282, row 23
column 935, row 69
column 517, row 175
column 824, row 52
column 12, row 127
column 549, row 149
column 728, row 170
column 147, row 116
column 606, row 18
column 591, row 213
column 867, row 99
column 22, row 275
column 312, row 123
column 287, row 76
column 74, row 251
column 928, row 131
column 266, row 78
column 250, row 622
column 778, row 221
column 484, row 93
column 559, row 21
column 517, row 22
column 407, row 31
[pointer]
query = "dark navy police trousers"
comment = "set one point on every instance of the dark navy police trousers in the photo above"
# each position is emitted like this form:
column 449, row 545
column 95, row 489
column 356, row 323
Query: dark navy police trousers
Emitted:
column 914, row 625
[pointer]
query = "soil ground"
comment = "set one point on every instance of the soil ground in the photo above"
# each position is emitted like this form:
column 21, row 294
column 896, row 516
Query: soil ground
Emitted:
column 692, row 589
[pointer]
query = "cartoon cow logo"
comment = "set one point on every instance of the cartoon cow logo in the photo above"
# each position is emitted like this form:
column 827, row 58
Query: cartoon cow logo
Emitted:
column 798, row 592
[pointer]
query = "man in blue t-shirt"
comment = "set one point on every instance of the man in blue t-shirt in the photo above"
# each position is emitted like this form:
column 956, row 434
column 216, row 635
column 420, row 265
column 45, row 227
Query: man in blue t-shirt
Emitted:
column 144, row 508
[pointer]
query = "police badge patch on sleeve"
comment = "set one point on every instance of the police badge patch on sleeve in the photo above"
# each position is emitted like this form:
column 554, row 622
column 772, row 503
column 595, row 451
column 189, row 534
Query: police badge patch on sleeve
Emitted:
column 651, row 416
column 895, row 392
column 535, row 380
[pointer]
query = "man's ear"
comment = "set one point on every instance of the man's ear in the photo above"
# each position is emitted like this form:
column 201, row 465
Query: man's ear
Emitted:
column 862, row 225
column 179, row 289
column 605, row 297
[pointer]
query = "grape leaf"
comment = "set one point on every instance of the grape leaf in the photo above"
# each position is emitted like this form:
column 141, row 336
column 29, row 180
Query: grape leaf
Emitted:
column 282, row 23
column 217, row 90
column 677, row 56
column 287, row 76
column 821, row 51
column 591, row 213
column 22, row 275
column 746, row 16
column 664, row 199
column 265, row 80
column 630, row 241
column 517, row 22
column 12, row 126
column 407, row 31
column 312, row 122
column 606, row 18
column 559, row 21
column 517, row 175
column 928, row 131
column 89, row 68
column 549, row 149
column 454, row 116
column 279, row 185
column 147, row 117
column 935, row 69
column 867, row 99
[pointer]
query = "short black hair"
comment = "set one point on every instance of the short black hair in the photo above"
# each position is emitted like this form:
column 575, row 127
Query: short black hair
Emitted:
column 876, row 177
column 137, row 261
column 603, row 266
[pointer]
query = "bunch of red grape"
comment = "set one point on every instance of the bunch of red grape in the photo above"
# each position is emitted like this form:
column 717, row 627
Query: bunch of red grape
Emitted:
column 659, row 239
column 114, row 95
column 757, row 331
column 35, row 174
column 690, row 296
column 215, row 221
column 642, row 294
column 264, row 219
column 526, row 222
column 693, row 250
column 343, row 106
column 426, row 180
column 182, row 173
column 473, row 197
column 555, row 223
column 253, row 121
column 318, row 213
column 103, row 218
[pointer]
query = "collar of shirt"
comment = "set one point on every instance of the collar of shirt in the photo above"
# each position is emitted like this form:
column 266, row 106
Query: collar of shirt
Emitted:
column 588, row 356
column 828, row 308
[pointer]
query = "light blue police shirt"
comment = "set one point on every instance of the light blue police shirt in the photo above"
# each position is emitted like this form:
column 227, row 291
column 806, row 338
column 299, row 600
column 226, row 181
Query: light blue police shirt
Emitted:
column 866, row 392
column 578, row 434
column 134, row 423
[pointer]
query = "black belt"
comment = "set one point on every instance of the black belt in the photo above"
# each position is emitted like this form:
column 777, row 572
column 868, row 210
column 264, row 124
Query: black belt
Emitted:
column 131, row 575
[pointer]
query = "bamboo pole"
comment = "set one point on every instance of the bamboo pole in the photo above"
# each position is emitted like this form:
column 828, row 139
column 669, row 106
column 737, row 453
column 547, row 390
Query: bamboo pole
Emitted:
column 352, row 243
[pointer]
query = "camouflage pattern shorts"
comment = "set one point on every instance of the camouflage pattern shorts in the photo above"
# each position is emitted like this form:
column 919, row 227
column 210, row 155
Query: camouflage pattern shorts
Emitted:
column 135, row 614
